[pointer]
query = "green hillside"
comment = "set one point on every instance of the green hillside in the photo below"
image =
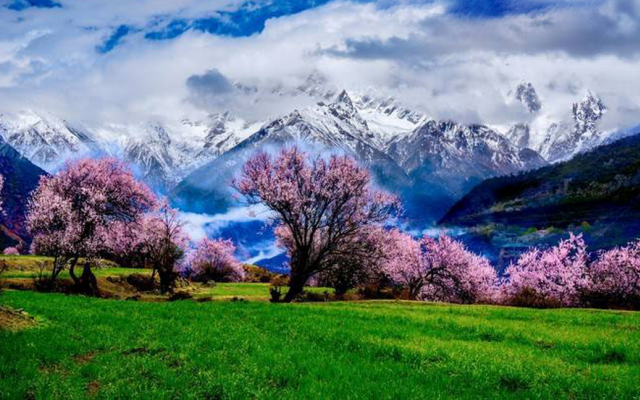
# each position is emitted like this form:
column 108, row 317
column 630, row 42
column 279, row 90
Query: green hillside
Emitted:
column 599, row 189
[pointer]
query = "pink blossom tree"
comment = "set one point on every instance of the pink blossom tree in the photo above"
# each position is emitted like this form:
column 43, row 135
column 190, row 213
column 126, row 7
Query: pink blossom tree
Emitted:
column 439, row 269
column 613, row 280
column 73, row 212
column 215, row 260
column 320, row 206
column 163, row 243
column 357, row 262
column 548, row 277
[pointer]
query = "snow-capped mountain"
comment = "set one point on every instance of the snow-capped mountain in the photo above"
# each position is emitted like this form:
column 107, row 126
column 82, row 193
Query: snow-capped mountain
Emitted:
column 163, row 156
column 564, row 140
column 45, row 139
column 456, row 154
column 424, row 160
column 558, row 139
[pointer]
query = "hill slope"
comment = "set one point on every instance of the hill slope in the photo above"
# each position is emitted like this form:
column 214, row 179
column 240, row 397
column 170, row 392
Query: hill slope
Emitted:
column 20, row 179
column 600, row 187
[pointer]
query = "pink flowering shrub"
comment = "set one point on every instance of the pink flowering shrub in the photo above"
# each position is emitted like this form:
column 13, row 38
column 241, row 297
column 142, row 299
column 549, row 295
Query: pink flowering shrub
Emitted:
column 551, row 277
column 11, row 251
column 440, row 270
column 613, row 280
column 322, row 206
column 214, row 260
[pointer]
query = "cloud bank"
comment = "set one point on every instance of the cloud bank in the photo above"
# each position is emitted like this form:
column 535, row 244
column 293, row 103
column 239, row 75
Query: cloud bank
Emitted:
column 99, row 62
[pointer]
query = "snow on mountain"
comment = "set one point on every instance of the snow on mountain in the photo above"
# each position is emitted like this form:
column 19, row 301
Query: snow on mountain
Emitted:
column 564, row 140
column 456, row 153
column 45, row 139
column 426, row 161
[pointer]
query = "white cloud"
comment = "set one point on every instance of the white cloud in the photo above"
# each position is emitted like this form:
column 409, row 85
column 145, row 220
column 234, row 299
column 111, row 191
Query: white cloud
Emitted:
column 435, row 62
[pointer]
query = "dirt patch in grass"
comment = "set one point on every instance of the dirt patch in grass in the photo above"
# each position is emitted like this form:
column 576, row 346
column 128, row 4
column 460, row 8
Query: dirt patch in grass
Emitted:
column 15, row 320
column 85, row 358
column 93, row 388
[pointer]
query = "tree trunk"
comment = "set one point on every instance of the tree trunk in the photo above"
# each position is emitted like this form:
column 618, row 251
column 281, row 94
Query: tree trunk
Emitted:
column 296, row 286
column 89, row 283
column 72, row 272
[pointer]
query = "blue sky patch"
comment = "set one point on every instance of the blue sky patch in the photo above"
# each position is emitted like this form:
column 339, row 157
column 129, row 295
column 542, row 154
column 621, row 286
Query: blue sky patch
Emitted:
column 19, row 5
column 115, row 38
column 249, row 19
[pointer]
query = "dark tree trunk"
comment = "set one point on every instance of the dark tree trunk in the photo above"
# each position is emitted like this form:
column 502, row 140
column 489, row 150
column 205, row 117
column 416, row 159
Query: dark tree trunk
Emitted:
column 296, row 286
column 72, row 272
column 89, row 283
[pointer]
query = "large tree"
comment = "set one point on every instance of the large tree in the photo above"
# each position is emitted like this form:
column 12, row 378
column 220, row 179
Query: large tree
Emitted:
column 73, row 212
column 321, row 207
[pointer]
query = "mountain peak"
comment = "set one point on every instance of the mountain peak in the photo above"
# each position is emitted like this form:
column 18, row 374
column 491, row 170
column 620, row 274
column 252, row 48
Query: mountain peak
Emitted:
column 526, row 94
column 344, row 97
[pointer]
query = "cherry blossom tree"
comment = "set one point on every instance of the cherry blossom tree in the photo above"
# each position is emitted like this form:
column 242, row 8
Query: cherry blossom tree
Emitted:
column 613, row 280
column 214, row 260
column 163, row 243
column 320, row 206
column 551, row 276
column 439, row 269
column 73, row 212
column 359, row 261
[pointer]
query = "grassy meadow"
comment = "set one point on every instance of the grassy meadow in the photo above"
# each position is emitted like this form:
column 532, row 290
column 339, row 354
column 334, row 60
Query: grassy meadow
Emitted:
column 77, row 347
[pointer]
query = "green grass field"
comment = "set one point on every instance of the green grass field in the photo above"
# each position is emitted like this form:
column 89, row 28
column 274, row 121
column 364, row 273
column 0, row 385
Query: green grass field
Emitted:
column 225, row 349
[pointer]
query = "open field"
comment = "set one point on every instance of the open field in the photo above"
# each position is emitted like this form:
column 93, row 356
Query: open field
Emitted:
column 229, row 349
column 23, row 269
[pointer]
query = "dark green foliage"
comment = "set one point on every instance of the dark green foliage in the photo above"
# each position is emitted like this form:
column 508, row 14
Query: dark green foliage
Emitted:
column 601, row 188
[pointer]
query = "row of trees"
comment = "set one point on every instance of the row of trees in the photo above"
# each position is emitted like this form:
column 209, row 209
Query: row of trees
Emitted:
column 96, row 208
column 334, row 225
column 335, row 228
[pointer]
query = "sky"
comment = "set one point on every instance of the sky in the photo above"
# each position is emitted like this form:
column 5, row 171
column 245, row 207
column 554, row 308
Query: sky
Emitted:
column 115, row 61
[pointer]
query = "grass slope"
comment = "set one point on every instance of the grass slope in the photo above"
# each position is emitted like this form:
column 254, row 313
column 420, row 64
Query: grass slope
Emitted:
column 185, row 349
column 601, row 187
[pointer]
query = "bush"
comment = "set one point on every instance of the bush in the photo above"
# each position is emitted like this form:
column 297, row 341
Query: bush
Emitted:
column 142, row 283
column 213, row 260
column 11, row 251
column 276, row 294
column 528, row 297
column 255, row 274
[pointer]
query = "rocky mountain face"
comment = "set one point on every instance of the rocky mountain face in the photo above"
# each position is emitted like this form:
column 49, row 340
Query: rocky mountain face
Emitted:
column 21, row 177
column 563, row 140
column 527, row 95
